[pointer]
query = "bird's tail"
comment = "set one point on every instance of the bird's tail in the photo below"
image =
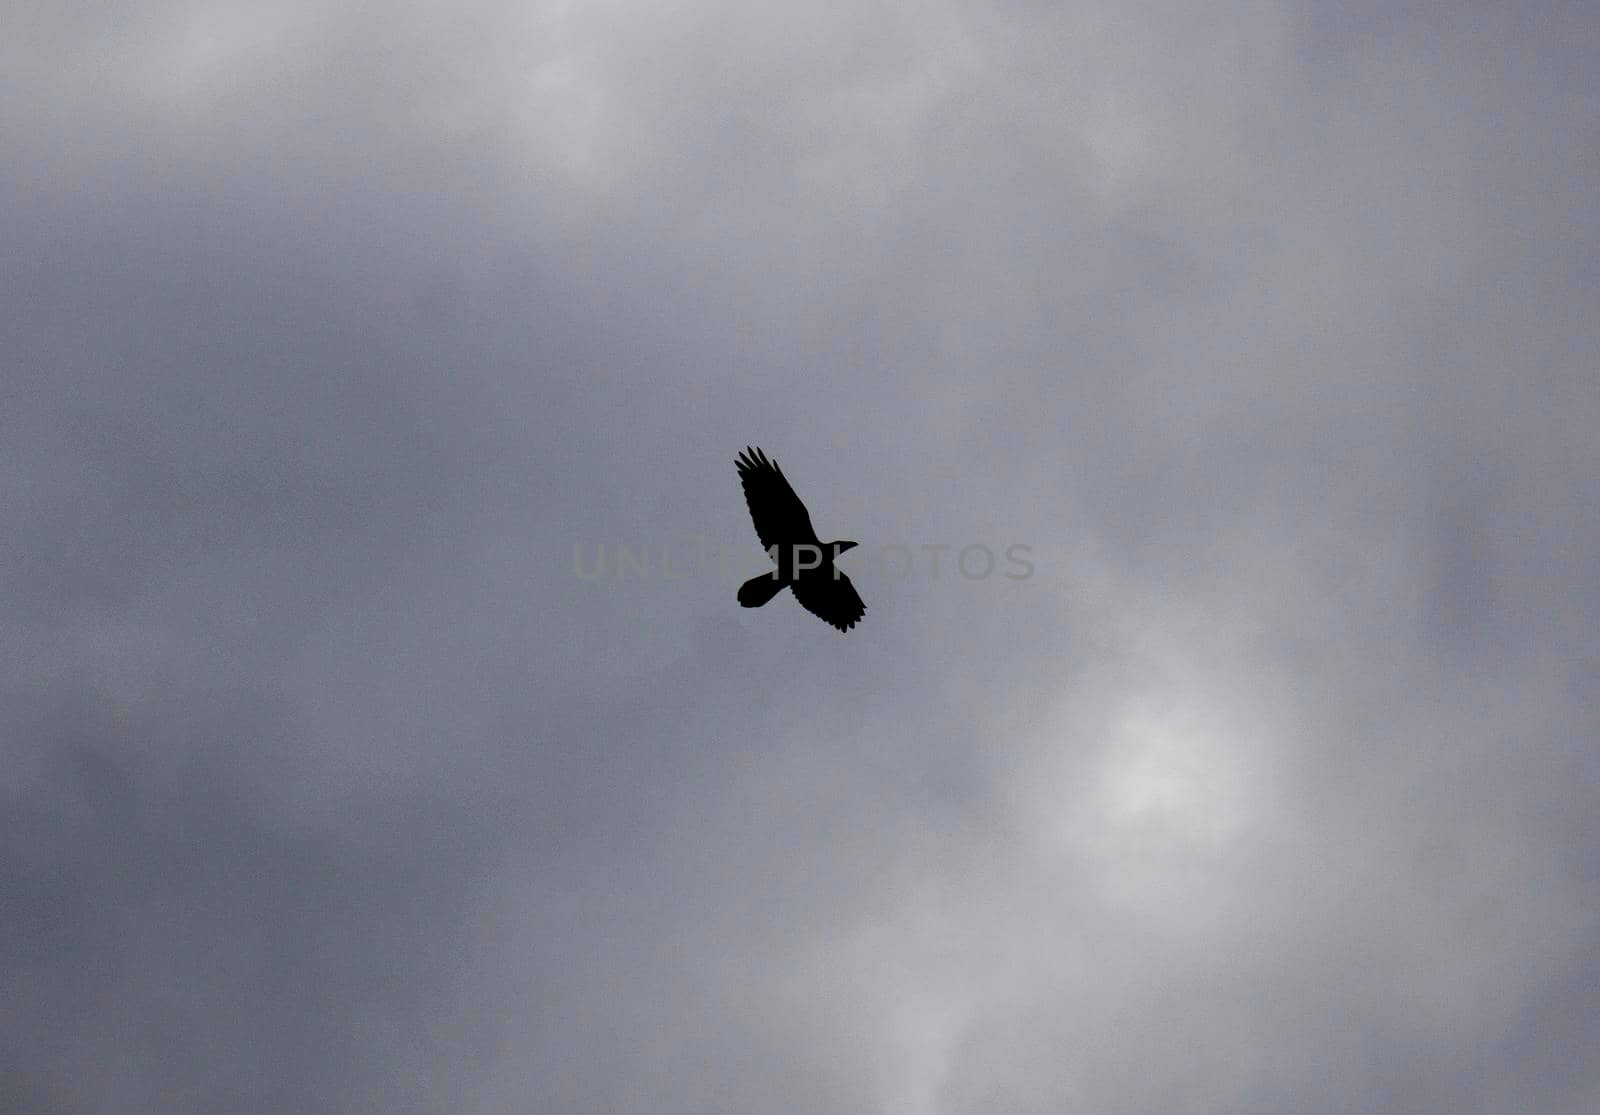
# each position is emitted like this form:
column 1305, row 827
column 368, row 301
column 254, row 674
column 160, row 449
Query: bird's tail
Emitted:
column 758, row 590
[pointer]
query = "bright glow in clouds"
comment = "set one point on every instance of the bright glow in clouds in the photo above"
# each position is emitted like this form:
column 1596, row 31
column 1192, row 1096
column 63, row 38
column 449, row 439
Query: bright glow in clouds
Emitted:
column 1175, row 776
column 1154, row 791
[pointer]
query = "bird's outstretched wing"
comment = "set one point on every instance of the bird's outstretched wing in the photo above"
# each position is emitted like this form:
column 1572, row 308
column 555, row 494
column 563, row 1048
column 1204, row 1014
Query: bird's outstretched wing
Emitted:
column 831, row 597
column 780, row 518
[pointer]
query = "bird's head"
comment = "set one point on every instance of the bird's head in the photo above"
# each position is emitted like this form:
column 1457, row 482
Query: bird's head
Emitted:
column 841, row 546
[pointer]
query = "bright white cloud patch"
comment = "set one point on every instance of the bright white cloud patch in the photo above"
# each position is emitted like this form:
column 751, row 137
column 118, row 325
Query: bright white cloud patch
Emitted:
column 1176, row 776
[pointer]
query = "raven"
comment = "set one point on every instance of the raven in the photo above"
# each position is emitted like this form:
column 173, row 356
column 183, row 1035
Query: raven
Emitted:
column 804, row 565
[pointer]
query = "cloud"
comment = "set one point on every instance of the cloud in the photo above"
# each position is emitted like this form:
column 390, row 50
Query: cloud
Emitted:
column 328, row 783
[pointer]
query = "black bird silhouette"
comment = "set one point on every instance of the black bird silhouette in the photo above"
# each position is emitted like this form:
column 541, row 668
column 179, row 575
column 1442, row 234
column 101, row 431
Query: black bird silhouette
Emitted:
column 804, row 565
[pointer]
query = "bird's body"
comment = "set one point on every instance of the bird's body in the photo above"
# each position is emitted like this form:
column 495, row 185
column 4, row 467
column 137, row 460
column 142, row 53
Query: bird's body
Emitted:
column 802, row 563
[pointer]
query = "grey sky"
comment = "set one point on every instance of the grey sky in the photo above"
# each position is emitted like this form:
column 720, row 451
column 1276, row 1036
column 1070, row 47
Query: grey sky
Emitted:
column 327, row 786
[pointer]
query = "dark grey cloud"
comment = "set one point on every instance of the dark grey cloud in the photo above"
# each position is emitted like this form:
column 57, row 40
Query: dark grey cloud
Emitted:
column 328, row 784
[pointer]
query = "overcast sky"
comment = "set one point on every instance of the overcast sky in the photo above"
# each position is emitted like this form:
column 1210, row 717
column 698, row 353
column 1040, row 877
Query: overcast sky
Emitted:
column 329, row 330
